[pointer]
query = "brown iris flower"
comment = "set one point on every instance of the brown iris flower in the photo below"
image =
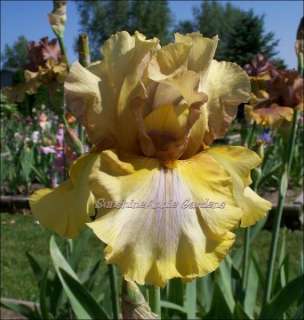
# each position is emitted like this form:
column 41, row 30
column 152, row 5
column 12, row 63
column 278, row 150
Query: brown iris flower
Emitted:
column 46, row 67
column 43, row 51
column 275, row 93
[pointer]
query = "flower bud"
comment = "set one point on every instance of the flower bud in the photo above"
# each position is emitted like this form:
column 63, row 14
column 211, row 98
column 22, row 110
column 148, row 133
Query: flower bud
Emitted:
column 57, row 17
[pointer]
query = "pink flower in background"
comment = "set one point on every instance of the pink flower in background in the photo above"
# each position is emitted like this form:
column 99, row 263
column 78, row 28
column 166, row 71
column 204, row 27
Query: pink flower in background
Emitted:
column 58, row 151
column 48, row 149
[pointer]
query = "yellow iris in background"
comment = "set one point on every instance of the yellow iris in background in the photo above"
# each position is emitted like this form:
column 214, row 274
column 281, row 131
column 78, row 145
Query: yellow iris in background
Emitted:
column 151, row 114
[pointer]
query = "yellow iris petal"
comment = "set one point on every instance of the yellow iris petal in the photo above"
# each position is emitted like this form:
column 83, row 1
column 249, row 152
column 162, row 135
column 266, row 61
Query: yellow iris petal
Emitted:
column 100, row 95
column 168, row 61
column 84, row 100
column 67, row 208
column 202, row 50
column 238, row 162
column 167, row 119
column 186, row 83
column 154, row 240
column 227, row 85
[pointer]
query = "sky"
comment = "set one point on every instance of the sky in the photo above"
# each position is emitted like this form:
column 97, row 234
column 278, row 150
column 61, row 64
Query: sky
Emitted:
column 29, row 18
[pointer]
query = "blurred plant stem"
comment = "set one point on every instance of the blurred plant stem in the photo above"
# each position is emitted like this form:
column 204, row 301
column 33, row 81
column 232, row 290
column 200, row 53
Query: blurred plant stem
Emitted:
column 63, row 50
column 114, row 291
column 154, row 300
column 281, row 201
column 57, row 19
column 300, row 47
column 249, row 135
column 84, row 58
column 190, row 299
column 248, row 143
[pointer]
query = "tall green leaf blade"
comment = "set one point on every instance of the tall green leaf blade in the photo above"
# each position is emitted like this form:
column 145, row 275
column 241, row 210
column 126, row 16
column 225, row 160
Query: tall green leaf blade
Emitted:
column 57, row 297
column 88, row 277
column 176, row 291
column 79, row 245
column 172, row 306
column 190, row 299
column 37, row 268
column 219, row 307
column 205, row 287
column 26, row 160
column 224, row 282
column 43, row 296
column 83, row 304
column 255, row 260
column 291, row 293
column 251, row 289
column 239, row 313
column 84, row 297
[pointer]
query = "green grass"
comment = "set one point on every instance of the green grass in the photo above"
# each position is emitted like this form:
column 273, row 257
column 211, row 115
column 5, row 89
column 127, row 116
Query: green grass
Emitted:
column 20, row 234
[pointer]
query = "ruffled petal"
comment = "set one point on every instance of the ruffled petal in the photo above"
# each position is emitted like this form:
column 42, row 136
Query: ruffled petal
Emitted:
column 238, row 162
column 126, row 59
column 84, row 100
column 202, row 50
column 101, row 95
column 186, row 83
column 168, row 61
column 227, row 85
column 197, row 133
column 272, row 116
column 152, row 231
column 67, row 208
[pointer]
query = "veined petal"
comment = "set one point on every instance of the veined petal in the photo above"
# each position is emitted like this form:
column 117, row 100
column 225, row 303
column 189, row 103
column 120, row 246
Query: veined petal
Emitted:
column 101, row 94
column 238, row 162
column 202, row 50
column 168, row 61
column 84, row 100
column 67, row 208
column 186, row 83
column 197, row 134
column 227, row 85
column 151, row 239
column 126, row 61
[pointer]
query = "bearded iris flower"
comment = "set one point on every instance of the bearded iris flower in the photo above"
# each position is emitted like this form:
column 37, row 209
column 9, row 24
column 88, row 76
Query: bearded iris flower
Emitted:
column 46, row 67
column 151, row 114
column 275, row 93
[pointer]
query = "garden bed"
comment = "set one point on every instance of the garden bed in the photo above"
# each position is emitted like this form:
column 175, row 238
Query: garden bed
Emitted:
column 20, row 233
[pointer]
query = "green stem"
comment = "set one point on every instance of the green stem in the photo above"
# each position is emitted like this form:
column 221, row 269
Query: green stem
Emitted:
column 190, row 299
column 246, row 257
column 84, row 56
column 154, row 300
column 63, row 50
column 250, row 135
column 280, row 207
column 247, row 143
column 114, row 291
